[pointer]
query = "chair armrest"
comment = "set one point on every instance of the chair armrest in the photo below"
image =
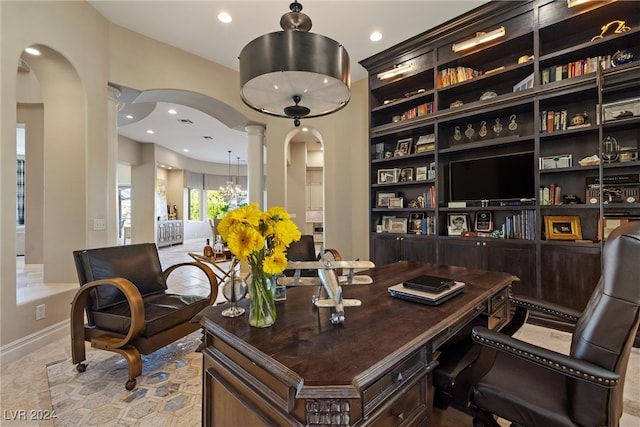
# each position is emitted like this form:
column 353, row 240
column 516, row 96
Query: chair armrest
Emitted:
column 557, row 362
column 213, row 280
column 555, row 310
column 79, row 304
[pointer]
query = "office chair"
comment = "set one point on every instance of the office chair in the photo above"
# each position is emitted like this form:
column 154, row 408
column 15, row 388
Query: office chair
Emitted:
column 531, row 386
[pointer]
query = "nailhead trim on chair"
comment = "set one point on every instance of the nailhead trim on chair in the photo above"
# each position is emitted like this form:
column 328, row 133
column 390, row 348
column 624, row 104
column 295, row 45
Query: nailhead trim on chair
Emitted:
column 536, row 307
column 546, row 361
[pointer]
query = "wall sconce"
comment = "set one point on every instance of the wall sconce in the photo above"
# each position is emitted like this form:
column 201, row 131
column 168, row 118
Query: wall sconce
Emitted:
column 479, row 39
column 395, row 71
column 572, row 3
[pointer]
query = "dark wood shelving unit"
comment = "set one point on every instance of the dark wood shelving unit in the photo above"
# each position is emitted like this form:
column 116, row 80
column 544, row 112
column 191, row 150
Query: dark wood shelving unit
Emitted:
column 549, row 269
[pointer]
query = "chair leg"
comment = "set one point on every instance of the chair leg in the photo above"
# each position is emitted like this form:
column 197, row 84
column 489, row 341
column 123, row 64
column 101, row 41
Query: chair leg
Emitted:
column 134, row 364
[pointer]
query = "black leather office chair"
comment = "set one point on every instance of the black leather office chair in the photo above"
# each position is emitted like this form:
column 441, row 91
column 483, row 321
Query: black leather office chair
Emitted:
column 305, row 250
column 535, row 387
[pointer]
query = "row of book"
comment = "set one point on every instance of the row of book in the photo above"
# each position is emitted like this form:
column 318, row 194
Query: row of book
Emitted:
column 429, row 225
column 429, row 197
column 419, row 110
column 550, row 195
column 520, row 226
column 451, row 76
column 577, row 68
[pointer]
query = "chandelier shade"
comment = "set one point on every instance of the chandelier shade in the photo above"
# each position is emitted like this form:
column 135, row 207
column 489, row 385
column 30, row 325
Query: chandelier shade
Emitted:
column 294, row 73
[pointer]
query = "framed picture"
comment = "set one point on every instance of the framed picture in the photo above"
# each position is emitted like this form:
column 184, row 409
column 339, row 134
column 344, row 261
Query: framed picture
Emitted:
column 403, row 147
column 387, row 176
column 398, row 225
column 382, row 199
column 396, row 202
column 563, row 227
column 421, row 173
column 386, row 223
column 415, row 222
column 611, row 222
column 406, row 174
column 457, row 223
column 484, row 221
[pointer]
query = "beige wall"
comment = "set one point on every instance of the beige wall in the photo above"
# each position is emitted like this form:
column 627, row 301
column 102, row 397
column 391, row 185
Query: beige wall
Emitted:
column 76, row 174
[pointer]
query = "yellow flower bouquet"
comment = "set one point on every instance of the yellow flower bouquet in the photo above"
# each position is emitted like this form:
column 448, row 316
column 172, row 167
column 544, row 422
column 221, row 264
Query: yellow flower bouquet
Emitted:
column 261, row 239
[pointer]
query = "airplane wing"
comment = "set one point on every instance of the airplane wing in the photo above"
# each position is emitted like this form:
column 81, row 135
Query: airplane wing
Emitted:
column 326, row 264
column 314, row 281
column 327, row 303
column 355, row 280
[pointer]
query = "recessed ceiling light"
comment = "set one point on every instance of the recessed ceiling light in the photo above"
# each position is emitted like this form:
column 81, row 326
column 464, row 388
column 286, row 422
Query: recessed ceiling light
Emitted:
column 224, row 17
column 305, row 129
column 173, row 111
column 186, row 150
column 32, row 51
column 375, row 36
column 150, row 131
column 129, row 116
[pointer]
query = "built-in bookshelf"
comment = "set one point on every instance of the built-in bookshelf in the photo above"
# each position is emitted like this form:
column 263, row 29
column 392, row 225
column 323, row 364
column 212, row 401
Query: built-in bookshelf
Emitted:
column 568, row 105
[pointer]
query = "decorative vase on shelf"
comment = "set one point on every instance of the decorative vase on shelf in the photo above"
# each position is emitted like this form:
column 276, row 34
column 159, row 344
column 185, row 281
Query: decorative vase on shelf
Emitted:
column 262, row 306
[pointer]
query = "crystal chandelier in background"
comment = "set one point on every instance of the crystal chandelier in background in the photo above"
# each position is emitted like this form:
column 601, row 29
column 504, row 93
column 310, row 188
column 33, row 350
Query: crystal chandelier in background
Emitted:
column 232, row 192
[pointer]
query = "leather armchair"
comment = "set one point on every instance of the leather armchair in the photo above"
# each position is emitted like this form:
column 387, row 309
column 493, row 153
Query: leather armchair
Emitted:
column 129, row 311
column 305, row 250
column 532, row 386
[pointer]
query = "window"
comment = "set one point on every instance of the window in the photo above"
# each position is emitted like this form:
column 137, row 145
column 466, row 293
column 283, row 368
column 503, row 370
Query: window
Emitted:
column 195, row 202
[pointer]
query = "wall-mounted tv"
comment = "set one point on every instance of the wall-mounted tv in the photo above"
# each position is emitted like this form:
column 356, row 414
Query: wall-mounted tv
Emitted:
column 505, row 177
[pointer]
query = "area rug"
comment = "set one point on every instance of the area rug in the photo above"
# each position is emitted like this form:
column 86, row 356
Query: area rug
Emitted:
column 167, row 393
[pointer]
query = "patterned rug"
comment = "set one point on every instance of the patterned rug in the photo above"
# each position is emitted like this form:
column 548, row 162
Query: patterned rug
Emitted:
column 167, row 393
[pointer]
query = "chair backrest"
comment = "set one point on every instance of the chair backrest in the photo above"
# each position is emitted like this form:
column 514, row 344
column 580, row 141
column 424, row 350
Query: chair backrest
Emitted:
column 606, row 330
column 302, row 250
column 138, row 263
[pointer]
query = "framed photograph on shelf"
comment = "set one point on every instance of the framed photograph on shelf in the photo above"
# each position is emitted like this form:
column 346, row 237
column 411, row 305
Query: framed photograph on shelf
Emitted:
column 415, row 222
column 457, row 223
column 386, row 223
column 563, row 227
column 382, row 199
column 403, row 147
column 388, row 176
column 421, row 173
column 396, row 202
column 426, row 143
column 613, row 221
column 406, row 174
column 398, row 225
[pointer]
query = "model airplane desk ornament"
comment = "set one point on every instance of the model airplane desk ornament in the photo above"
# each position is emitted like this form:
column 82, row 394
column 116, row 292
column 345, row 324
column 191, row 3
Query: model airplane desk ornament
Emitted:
column 331, row 283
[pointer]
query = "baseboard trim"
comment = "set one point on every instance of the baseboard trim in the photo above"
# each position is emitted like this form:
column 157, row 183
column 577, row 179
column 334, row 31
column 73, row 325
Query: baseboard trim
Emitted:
column 26, row 345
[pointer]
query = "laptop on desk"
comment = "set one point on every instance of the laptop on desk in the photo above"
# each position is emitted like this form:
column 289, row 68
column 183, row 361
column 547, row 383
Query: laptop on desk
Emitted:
column 406, row 293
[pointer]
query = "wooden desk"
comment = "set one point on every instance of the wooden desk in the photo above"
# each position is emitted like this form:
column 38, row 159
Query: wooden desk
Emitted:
column 375, row 370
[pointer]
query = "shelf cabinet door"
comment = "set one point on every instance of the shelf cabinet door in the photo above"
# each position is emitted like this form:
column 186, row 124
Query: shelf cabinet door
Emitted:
column 568, row 276
column 385, row 249
column 519, row 260
column 416, row 248
column 389, row 248
column 462, row 252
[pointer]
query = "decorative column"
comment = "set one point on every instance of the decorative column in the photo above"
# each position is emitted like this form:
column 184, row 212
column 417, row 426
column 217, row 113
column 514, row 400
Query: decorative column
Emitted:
column 255, row 164
column 112, row 165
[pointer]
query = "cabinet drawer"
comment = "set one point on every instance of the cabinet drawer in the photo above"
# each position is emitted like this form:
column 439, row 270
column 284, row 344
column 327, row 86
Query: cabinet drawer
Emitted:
column 390, row 382
column 450, row 331
column 499, row 317
column 497, row 300
column 406, row 411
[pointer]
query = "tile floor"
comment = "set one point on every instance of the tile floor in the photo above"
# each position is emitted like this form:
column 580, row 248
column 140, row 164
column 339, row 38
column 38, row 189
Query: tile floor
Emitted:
column 24, row 384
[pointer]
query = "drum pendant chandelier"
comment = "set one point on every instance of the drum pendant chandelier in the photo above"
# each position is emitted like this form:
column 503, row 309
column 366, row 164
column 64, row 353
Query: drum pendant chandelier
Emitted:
column 294, row 73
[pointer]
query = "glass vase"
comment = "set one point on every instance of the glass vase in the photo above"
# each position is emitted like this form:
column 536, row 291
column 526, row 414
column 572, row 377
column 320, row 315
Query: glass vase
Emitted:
column 262, row 306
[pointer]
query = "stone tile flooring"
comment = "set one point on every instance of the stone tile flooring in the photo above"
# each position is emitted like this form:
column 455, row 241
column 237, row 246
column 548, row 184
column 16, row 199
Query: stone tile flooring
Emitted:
column 24, row 384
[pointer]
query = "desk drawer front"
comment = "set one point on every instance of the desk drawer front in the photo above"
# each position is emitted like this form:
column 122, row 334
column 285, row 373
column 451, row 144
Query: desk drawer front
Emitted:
column 498, row 300
column 410, row 409
column 393, row 380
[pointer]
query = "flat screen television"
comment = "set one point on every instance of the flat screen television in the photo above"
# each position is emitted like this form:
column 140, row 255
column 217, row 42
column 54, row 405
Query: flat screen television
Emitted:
column 508, row 177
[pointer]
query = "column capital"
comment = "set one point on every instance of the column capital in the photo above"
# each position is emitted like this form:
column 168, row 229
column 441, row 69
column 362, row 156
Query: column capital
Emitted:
column 255, row 129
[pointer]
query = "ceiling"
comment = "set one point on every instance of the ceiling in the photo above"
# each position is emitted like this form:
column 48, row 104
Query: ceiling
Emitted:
column 193, row 26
